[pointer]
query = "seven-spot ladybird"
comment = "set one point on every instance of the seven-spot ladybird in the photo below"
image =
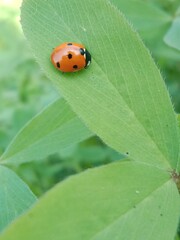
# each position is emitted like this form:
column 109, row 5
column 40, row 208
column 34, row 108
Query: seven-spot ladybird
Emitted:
column 70, row 57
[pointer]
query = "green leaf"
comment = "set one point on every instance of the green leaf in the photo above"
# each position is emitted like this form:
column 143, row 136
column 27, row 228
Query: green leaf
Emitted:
column 122, row 96
column 125, row 200
column 172, row 37
column 15, row 197
column 54, row 129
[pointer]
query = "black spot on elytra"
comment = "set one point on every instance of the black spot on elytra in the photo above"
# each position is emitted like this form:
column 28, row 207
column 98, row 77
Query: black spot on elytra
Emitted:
column 58, row 64
column 75, row 66
column 82, row 52
column 69, row 44
column 69, row 55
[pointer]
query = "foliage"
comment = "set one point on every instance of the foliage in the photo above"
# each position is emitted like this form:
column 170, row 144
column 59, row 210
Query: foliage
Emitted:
column 121, row 98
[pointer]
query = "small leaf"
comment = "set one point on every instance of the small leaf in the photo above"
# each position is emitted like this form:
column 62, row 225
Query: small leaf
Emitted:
column 172, row 37
column 55, row 128
column 125, row 200
column 15, row 197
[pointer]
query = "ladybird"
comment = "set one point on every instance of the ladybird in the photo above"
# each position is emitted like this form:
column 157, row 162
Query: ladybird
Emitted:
column 70, row 57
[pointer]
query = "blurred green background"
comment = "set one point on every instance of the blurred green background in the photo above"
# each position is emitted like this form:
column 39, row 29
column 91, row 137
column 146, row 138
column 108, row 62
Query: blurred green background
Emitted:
column 25, row 91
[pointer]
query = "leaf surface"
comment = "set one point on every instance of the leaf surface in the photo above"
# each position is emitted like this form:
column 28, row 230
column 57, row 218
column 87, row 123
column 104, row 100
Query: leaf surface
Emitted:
column 121, row 97
column 117, row 201
column 54, row 129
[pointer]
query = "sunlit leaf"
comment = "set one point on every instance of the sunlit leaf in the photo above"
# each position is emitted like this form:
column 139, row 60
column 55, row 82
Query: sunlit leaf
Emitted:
column 122, row 96
column 118, row 201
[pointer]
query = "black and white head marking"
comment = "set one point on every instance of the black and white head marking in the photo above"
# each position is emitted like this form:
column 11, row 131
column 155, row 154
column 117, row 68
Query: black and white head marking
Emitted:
column 82, row 51
column 88, row 58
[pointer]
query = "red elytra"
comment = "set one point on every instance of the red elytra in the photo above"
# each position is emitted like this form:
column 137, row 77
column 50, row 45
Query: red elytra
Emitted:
column 70, row 57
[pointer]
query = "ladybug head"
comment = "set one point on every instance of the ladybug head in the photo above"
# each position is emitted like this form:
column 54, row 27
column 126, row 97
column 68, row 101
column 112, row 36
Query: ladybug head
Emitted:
column 88, row 58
